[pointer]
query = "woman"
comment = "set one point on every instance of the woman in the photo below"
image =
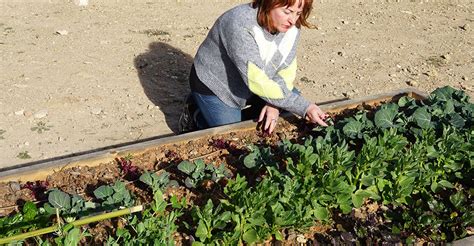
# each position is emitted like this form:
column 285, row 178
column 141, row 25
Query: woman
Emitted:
column 249, row 57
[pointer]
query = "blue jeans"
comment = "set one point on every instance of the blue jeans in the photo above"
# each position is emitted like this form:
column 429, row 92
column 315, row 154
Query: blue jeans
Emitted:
column 214, row 112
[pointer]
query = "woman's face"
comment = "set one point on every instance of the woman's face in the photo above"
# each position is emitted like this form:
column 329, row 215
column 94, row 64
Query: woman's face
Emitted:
column 285, row 17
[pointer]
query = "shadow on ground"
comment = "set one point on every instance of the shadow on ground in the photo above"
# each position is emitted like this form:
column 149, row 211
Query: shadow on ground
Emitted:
column 163, row 72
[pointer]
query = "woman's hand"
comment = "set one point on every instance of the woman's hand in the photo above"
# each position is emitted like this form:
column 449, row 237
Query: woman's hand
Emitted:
column 270, row 114
column 315, row 115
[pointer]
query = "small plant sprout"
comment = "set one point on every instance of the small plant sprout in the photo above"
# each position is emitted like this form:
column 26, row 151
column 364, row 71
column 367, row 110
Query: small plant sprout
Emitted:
column 129, row 171
column 38, row 188
column 23, row 155
column 1, row 133
column 41, row 127
column 198, row 171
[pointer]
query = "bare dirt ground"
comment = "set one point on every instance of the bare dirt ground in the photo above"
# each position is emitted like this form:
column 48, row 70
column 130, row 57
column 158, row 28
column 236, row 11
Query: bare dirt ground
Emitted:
column 76, row 78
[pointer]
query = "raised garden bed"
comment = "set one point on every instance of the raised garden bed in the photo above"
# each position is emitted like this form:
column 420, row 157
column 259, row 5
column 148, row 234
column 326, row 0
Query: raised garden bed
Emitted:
column 384, row 172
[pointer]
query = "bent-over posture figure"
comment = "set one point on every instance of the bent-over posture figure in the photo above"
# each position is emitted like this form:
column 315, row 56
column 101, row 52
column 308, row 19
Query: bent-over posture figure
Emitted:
column 249, row 58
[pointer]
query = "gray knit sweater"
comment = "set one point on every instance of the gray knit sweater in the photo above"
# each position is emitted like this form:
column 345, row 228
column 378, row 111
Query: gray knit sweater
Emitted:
column 239, row 58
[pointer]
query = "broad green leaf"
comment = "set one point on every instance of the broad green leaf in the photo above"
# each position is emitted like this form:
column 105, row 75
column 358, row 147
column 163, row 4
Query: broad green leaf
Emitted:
column 454, row 165
column 352, row 129
column 404, row 101
column 222, row 220
column 367, row 180
column 175, row 202
column 257, row 220
column 457, row 199
column 456, row 120
column 358, row 198
column 163, row 178
column 198, row 174
column 118, row 197
column 373, row 192
column 442, row 94
column 122, row 232
column 426, row 219
column 448, row 108
column 190, row 183
column 207, row 211
column 445, row 184
column 59, row 200
column 103, row 192
column 73, row 237
column 250, row 160
column 186, row 167
column 422, row 118
column 146, row 178
column 279, row 236
column 159, row 204
column 141, row 228
column 226, row 216
column 311, row 159
column 200, row 165
column 321, row 213
column 345, row 208
column 434, row 187
column 406, row 181
column 49, row 209
column 29, row 211
column 384, row 117
column 201, row 230
column 431, row 152
column 119, row 187
column 250, row 236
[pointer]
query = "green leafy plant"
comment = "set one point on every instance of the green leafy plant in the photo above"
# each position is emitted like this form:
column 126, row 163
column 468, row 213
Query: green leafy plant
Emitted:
column 116, row 194
column 155, row 226
column 211, row 221
column 70, row 236
column 157, row 182
column 70, row 206
column 198, row 171
column 29, row 218
column 257, row 157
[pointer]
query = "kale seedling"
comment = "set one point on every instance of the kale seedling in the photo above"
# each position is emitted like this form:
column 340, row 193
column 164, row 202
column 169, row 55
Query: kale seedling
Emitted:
column 157, row 182
column 37, row 188
column 257, row 157
column 129, row 171
column 114, row 194
column 198, row 172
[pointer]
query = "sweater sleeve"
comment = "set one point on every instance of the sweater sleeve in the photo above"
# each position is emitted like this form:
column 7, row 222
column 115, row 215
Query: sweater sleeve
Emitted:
column 256, row 59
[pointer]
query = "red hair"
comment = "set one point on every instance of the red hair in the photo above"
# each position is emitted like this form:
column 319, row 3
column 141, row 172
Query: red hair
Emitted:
column 264, row 7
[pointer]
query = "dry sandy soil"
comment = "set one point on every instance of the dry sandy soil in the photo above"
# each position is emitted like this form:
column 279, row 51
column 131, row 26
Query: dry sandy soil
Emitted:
column 75, row 79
